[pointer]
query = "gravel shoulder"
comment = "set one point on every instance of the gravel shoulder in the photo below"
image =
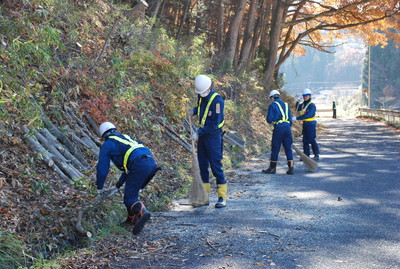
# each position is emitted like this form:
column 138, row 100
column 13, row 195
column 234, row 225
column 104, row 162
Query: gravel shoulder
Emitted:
column 344, row 215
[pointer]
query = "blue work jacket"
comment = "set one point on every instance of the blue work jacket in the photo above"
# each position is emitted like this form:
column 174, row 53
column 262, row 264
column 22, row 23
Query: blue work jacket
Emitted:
column 113, row 150
column 214, row 118
column 275, row 114
column 310, row 111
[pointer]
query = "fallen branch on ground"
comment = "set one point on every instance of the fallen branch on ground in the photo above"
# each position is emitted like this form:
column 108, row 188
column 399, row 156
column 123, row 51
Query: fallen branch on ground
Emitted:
column 108, row 193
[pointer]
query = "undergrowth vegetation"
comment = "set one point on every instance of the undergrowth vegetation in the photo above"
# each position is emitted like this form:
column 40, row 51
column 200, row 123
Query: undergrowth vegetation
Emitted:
column 57, row 53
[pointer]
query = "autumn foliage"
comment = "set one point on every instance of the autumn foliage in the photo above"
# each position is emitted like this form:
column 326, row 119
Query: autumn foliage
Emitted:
column 50, row 59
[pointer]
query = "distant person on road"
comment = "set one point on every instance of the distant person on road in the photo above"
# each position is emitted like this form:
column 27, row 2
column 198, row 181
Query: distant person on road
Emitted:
column 280, row 116
column 138, row 166
column 307, row 115
column 334, row 109
column 210, row 111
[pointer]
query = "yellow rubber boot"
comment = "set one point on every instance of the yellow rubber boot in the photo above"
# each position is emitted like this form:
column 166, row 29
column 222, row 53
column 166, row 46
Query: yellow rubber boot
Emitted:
column 222, row 190
column 207, row 187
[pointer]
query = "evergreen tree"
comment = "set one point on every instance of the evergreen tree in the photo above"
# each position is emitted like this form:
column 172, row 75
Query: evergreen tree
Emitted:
column 385, row 76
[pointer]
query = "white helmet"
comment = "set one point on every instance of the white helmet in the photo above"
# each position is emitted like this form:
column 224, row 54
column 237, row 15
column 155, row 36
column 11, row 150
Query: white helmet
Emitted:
column 106, row 126
column 274, row 93
column 202, row 83
column 306, row 92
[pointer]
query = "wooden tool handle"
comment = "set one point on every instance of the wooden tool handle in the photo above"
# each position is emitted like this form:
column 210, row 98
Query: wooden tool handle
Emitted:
column 191, row 133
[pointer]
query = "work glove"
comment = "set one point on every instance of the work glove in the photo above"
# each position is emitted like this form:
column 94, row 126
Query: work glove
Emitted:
column 189, row 112
column 294, row 118
column 299, row 99
column 194, row 136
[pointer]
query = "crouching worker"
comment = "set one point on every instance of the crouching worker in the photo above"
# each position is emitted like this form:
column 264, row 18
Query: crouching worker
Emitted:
column 138, row 166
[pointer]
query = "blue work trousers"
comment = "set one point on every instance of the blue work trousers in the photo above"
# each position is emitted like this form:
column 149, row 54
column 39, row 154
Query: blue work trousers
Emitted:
column 282, row 134
column 140, row 169
column 209, row 153
column 309, row 137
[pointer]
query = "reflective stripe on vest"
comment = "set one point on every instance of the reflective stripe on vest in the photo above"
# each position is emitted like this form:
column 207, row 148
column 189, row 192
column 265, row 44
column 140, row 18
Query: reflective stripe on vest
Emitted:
column 133, row 145
column 285, row 115
column 203, row 120
column 303, row 111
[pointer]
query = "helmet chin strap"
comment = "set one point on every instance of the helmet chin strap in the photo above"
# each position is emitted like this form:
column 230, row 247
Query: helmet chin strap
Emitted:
column 207, row 92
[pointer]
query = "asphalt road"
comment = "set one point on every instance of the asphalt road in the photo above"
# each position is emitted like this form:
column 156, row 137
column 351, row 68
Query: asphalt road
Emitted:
column 344, row 215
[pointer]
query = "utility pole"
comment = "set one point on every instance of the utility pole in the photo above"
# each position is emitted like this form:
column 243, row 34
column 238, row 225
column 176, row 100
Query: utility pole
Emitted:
column 369, row 76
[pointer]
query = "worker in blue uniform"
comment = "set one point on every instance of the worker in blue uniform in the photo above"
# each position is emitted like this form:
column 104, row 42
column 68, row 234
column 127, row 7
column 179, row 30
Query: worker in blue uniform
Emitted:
column 307, row 111
column 210, row 111
column 137, row 165
column 280, row 116
column 334, row 109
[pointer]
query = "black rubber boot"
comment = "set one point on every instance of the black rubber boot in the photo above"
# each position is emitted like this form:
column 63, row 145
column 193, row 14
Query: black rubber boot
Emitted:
column 141, row 216
column 316, row 157
column 271, row 169
column 290, row 171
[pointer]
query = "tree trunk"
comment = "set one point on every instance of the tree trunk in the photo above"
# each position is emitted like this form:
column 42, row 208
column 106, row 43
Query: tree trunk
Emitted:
column 261, row 28
column 201, row 18
column 284, row 55
column 220, row 26
column 183, row 19
column 248, row 36
column 154, row 8
column 232, row 37
column 272, row 53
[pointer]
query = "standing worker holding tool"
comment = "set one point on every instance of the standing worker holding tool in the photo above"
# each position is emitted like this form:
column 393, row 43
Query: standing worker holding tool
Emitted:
column 138, row 166
column 280, row 116
column 307, row 115
column 210, row 110
column 334, row 109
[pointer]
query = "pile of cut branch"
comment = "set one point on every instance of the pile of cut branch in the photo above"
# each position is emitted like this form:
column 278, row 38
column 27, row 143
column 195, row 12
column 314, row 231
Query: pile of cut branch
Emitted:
column 63, row 151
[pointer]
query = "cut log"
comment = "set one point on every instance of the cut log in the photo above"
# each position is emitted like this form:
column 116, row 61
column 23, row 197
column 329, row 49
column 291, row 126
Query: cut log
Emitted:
column 68, row 170
column 34, row 144
column 178, row 140
column 80, row 126
column 68, row 156
column 232, row 138
column 61, row 174
column 88, row 140
column 47, row 157
column 66, row 142
column 92, row 124
column 176, row 137
column 49, row 145
column 94, row 151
